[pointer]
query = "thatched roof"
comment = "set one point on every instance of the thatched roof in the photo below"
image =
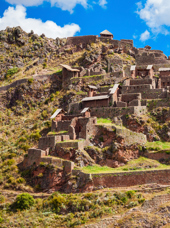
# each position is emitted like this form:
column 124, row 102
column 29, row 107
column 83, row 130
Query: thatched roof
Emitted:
column 106, row 32
column 69, row 68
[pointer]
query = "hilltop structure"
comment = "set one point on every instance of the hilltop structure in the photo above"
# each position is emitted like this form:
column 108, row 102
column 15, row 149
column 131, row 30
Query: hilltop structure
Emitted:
column 106, row 34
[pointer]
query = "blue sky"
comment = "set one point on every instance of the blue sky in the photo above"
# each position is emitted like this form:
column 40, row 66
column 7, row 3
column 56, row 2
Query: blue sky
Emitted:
column 147, row 22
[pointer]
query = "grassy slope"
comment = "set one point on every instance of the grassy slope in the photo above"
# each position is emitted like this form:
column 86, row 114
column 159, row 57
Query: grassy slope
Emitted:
column 158, row 145
column 139, row 164
column 61, row 210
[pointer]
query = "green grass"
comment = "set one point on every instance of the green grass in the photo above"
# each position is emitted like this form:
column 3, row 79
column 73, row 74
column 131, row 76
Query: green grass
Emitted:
column 98, row 169
column 103, row 121
column 158, row 145
column 140, row 164
column 57, row 133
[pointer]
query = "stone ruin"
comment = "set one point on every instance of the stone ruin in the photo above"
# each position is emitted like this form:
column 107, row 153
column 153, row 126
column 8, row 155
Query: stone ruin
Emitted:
column 134, row 92
column 126, row 97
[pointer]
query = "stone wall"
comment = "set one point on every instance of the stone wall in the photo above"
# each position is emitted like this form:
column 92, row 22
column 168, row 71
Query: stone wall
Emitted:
column 66, row 77
column 157, row 156
column 87, row 127
column 131, row 137
column 81, row 40
column 127, row 179
column 91, row 79
column 114, row 131
column 154, row 94
column 135, row 102
column 146, row 81
column 150, row 57
column 33, row 157
column 146, row 91
column 130, row 97
column 49, row 142
column 158, row 103
column 124, row 44
column 74, row 144
column 97, row 103
column 63, row 125
column 113, row 62
column 110, row 112
column 54, row 161
column 136, row 88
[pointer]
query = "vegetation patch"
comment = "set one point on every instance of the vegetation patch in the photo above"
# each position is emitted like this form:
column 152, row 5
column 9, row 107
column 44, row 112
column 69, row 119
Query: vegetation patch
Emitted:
column 103, row 121
column 158, row 145
column 140, row 164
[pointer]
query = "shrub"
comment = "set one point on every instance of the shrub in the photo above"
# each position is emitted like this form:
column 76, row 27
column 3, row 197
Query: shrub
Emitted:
column 23, row 201
column 2, row 199
column 11, row 180
column 141, row 200
column 12, row 155
column 130, row 194
column 1, row 219
column 44, row 65
column 48, row 123
column 9, row 162
column 20, row 180
column 40, row 175
column 57, row 201
column 1, row 179
column 132, row 204
column 11, row 72
column 25, row 147
column 22, row 139
column 30, row 80
column 44, row 114
column 52, row 97
column 35, row 136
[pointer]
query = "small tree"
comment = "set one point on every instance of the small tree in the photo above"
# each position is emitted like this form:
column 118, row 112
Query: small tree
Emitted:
column 23, row 201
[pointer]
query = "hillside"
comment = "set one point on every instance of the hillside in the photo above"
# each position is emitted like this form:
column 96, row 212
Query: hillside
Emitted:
column 107, row 164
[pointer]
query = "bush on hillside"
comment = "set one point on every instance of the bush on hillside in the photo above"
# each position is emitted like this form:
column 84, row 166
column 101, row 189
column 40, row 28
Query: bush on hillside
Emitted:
column 23, row 201
column 11, row 72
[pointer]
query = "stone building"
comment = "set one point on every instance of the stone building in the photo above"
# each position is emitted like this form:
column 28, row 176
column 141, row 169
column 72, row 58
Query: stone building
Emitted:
column 106, row 34
column 67, row 74
column 133, row 93
column 92, row 90
column 101, row 99
column 142, row 71
column 164, row 77
column 97, row 101
column 73, row 126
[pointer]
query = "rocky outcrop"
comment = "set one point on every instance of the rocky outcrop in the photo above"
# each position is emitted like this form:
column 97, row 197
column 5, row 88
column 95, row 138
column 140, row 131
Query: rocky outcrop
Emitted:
column 140, row 125
column 48, row 178
column 79, row 157
column 25, row 47
column 114, row 156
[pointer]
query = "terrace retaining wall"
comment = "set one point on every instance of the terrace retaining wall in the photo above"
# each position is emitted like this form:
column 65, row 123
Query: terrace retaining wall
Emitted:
column 110, row 112
column 127, row 179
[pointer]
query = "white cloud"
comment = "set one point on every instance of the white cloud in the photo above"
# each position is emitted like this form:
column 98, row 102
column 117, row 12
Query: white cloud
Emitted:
column 13, row 17
column 139, row 5
column 26, row 2
column 102, row 3
column 135, row 36
column 145, row 36
column 63, row 4
column 156, row 15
